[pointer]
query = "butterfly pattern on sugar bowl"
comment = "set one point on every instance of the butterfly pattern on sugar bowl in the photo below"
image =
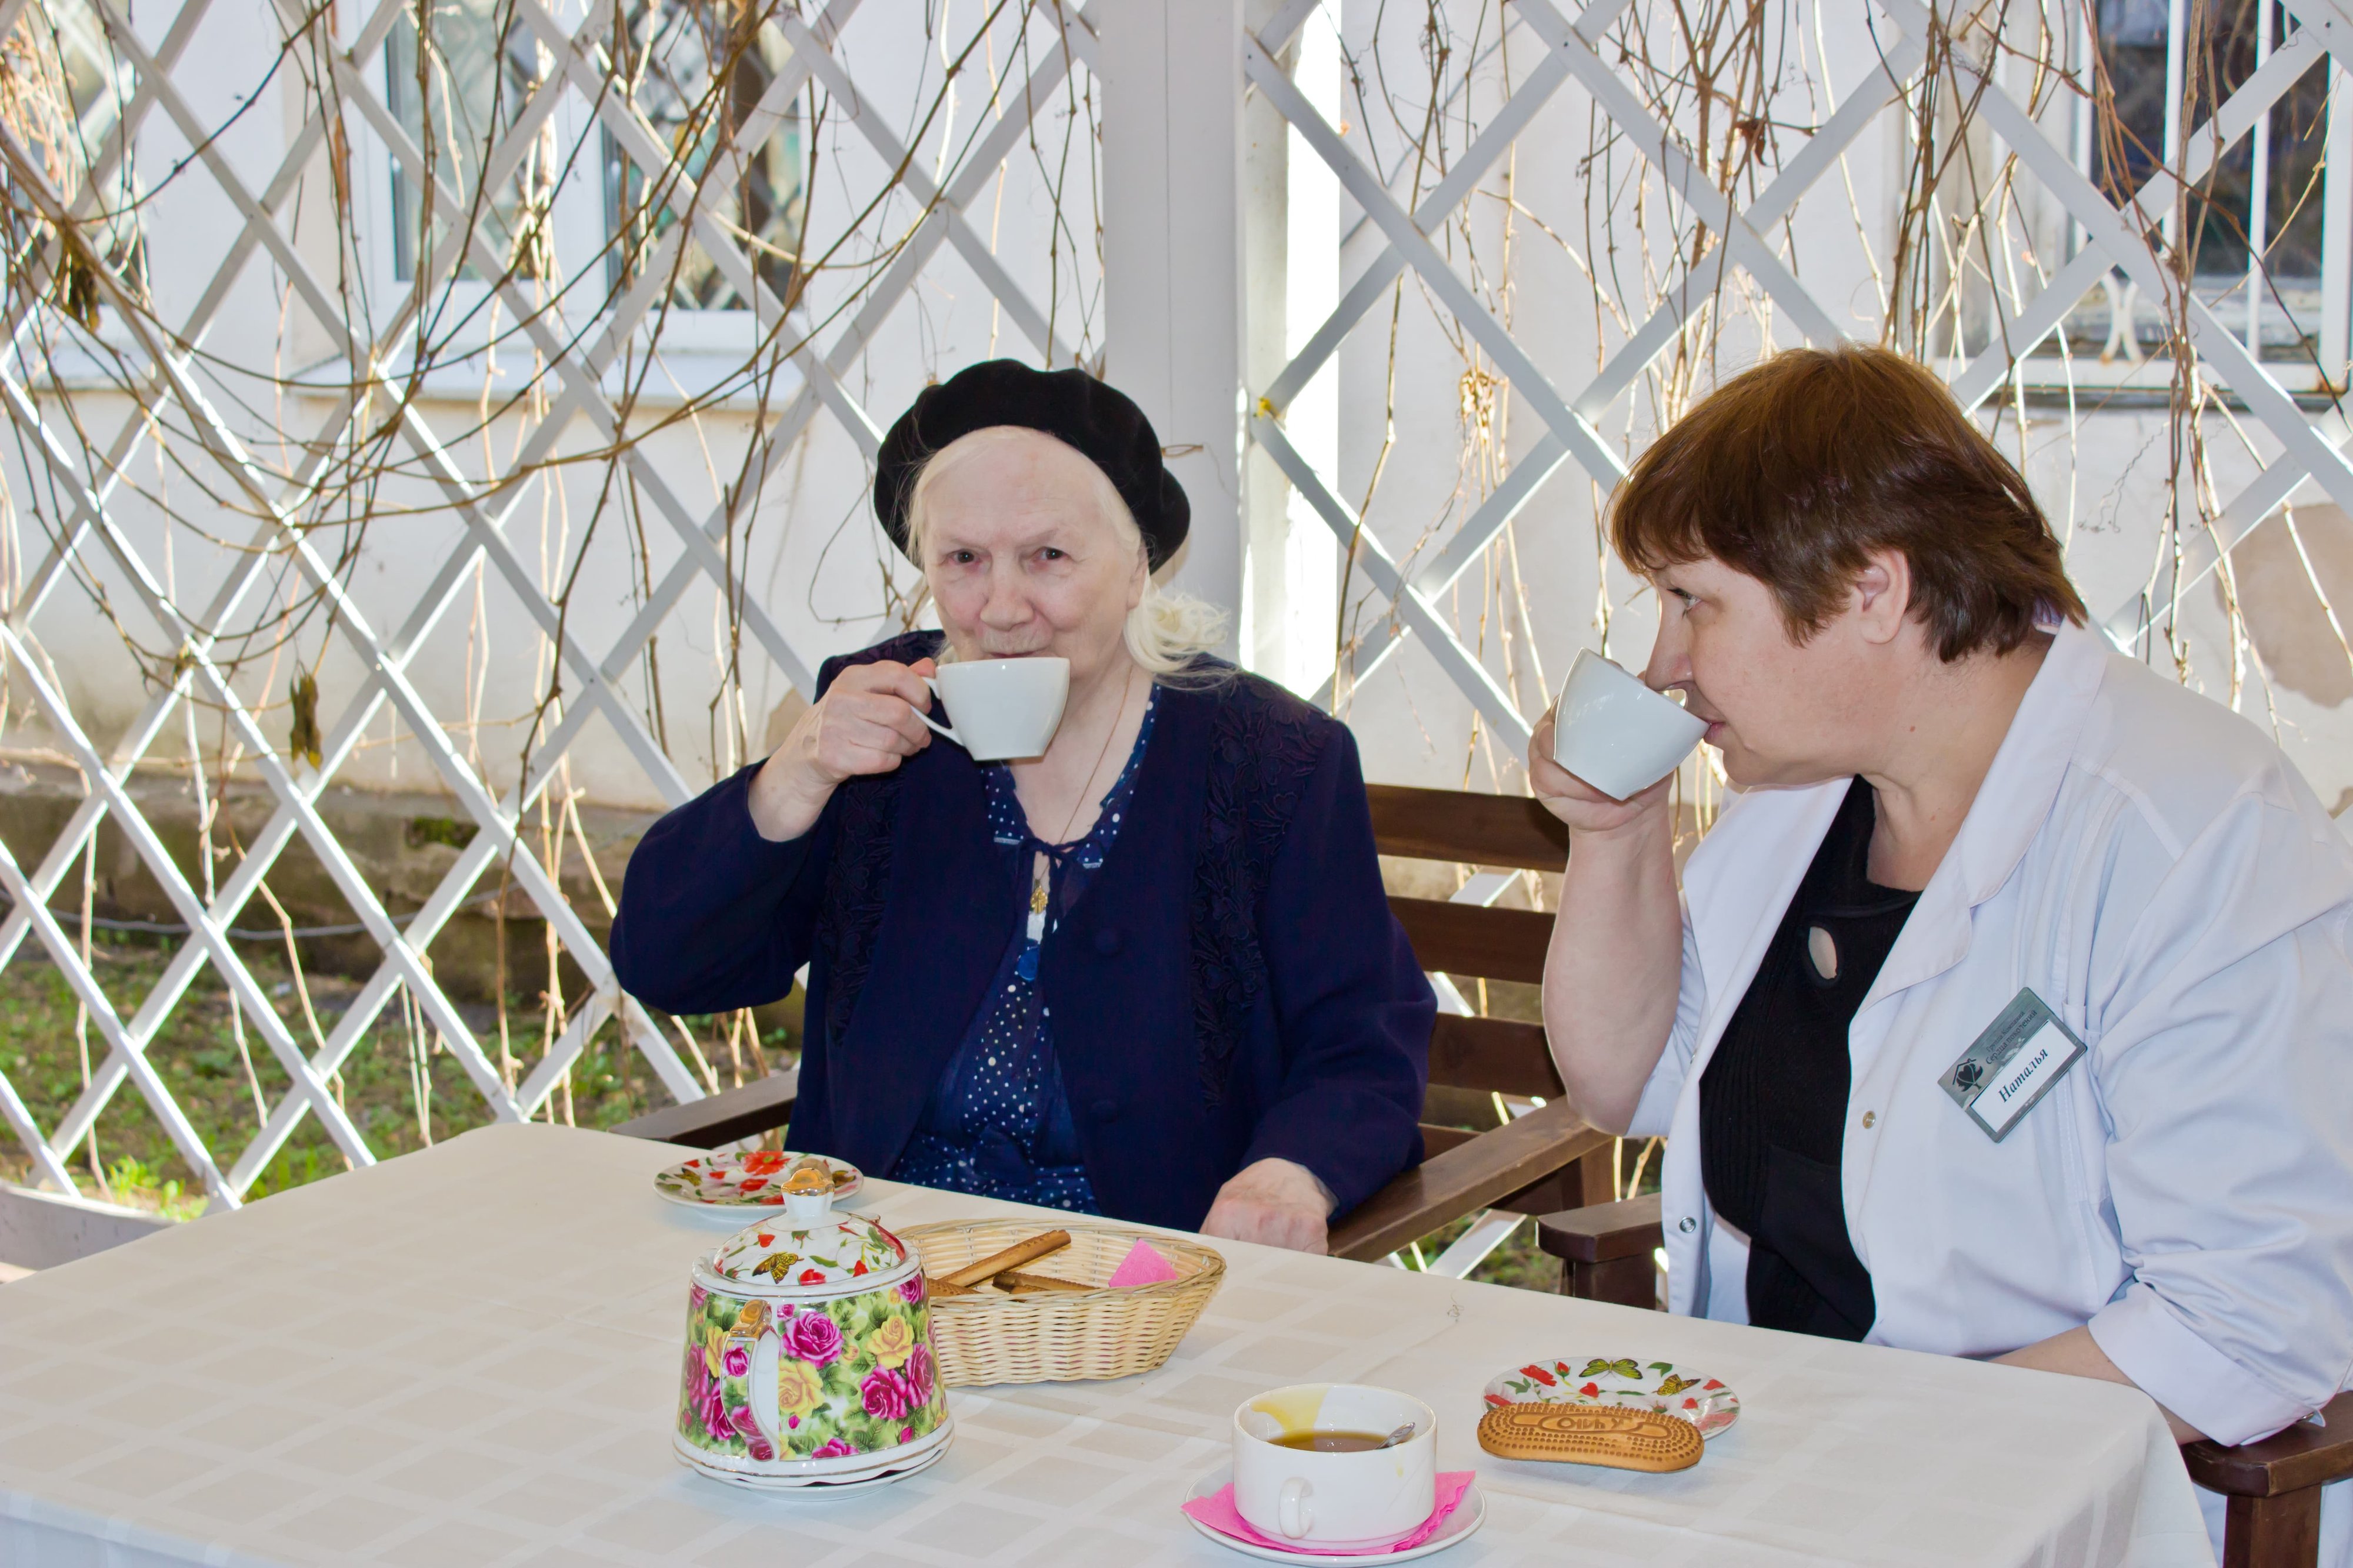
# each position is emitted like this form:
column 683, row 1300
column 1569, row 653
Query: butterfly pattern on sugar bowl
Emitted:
column 809, row 1359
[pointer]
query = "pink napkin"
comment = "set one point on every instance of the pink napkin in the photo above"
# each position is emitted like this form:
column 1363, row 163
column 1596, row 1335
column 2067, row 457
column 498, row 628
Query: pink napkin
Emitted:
column 1141, row 1265
column 1218, row 1512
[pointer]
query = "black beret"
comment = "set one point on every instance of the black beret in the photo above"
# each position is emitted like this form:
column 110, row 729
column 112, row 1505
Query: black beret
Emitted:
column 1100, row 422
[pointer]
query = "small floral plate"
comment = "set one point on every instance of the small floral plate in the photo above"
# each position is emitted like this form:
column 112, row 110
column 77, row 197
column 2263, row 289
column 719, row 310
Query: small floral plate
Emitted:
column 1701, row 1400
column 746, row 1181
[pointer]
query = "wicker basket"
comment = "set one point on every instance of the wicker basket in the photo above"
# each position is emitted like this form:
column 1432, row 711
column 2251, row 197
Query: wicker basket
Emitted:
column 1066, row 1336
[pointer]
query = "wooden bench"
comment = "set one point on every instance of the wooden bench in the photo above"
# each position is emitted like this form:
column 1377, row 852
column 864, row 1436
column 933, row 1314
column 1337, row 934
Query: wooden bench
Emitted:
column 1545, row 1160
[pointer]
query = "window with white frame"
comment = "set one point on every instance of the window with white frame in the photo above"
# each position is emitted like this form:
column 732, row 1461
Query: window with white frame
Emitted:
column 63, row 89
column 698, row 70
column 2254, row 228
column 458, row 88
column 2266, row 231
column 570, row 208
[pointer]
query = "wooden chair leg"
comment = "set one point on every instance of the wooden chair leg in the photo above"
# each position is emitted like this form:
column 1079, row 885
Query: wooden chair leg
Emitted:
column 1623, row 1281
column 2281, row 1532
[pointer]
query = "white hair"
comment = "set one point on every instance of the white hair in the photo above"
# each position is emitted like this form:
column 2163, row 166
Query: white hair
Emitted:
column 1166, row 633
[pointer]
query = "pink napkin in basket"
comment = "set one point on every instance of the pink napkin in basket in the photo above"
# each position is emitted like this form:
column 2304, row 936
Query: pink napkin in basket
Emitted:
column 1218, row 1512
column 1141, row 1265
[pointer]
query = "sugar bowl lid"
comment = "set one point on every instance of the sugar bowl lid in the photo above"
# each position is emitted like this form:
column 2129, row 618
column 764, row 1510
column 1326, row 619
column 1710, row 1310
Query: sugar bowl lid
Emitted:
column 808, row 1249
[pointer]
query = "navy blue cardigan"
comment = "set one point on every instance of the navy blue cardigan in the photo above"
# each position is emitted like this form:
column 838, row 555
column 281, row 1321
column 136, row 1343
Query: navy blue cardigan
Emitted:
column 1231, row 986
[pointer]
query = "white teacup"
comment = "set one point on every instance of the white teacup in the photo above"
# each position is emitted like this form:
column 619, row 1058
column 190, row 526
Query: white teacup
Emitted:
column 1616, row 733
column 1002, row 706
column 1333, row 1499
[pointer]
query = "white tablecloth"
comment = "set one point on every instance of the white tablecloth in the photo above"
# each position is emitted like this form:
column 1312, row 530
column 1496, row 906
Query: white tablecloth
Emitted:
column 469, row 1356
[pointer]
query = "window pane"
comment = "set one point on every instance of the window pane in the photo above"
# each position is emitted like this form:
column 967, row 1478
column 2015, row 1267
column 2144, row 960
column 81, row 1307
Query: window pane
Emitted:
column 456, row 108
column 2219, row 55
column 62, row 90
column 696, row 71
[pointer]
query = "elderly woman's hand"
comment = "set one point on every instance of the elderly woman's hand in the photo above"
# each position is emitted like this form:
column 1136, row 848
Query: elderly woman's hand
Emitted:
column 868, row 722
column 1577, row 803
column 1274, row 1202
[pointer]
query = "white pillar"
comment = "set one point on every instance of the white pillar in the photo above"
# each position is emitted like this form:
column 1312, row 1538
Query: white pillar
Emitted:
column 1309, row 558
column 1291, row 249
column 1171, row 159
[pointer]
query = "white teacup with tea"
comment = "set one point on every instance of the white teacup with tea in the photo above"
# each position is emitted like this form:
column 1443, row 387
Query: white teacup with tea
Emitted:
column 1334, row 1464
column 1616, row 733
column 1002, row 706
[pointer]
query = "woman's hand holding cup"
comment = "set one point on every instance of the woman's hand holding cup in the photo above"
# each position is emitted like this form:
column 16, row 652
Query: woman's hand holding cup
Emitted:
column 868, row 720
column 1578, row 804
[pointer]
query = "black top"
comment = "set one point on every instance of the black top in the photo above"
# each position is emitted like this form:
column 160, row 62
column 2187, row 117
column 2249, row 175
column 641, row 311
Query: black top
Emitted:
column 1773, row 1102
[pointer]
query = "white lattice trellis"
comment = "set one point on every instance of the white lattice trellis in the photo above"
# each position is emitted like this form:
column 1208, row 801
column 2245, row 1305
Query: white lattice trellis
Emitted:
column 578, row 355
column 2116, row 238
column 583, row 344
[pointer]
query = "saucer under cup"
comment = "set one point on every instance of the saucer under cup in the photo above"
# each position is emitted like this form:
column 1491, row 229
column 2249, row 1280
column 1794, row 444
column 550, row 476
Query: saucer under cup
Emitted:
column 1616, row 733
column 1330, row 1501
column 1002, row 706
column 1469, row 1514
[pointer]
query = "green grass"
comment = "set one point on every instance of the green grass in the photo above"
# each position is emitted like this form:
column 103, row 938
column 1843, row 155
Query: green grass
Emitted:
column 197, row 1056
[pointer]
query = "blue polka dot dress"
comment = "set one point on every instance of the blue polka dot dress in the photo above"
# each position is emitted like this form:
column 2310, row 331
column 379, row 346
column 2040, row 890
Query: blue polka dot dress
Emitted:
column 998, row 1122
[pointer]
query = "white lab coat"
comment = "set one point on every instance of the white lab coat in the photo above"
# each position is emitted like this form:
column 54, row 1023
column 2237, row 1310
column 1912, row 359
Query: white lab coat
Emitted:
column 2153, row 867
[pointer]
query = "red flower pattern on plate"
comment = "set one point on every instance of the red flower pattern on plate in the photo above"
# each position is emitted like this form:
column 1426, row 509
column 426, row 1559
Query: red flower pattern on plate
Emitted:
column 1628, row 1382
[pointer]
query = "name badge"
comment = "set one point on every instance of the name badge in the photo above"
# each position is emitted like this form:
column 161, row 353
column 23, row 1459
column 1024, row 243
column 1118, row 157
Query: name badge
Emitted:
column 2008, row 1069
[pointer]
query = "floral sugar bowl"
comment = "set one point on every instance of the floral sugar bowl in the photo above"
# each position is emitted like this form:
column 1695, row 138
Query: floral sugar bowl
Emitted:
column 808, row 1352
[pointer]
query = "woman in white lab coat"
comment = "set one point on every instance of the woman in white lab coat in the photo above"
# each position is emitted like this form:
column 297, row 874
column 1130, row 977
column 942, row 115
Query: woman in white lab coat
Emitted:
column 2007, row 1012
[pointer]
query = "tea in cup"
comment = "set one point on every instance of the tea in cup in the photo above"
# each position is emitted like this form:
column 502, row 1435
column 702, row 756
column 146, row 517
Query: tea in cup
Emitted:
column 1616, row 733
column 1314, row 1464
column 1002, row 706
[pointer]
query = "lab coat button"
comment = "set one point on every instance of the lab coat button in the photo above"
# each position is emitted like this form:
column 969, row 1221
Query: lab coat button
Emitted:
column 1687, row 1225
column 1868, row 1118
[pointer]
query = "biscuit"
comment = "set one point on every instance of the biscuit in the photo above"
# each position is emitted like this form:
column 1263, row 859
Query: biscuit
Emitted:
column 1591, row 1434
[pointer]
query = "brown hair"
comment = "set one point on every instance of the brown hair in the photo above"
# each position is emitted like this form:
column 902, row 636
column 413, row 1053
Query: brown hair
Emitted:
column 1793, row 472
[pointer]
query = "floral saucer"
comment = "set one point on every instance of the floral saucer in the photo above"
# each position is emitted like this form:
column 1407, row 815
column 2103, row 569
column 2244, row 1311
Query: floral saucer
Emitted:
column 897, row 1467
column 746, row 1181
column 1701, row 1400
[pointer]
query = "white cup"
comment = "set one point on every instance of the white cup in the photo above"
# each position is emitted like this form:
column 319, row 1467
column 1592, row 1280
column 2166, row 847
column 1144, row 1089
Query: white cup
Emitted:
column 1362, row 1499
column 1616, row 733
column 1003, row 707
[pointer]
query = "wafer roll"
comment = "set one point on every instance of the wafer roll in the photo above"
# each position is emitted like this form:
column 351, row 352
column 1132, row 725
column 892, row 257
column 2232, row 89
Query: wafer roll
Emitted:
column 1015, row 1281
column 1590, row 1435
column 1013, row 1256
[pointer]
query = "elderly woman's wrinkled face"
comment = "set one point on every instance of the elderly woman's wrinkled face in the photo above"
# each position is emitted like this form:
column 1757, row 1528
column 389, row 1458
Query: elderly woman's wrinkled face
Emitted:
column 1021, row 556
column 1782, row 711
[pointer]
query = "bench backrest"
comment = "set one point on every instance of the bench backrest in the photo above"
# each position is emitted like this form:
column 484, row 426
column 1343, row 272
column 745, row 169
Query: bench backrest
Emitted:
column 1472, row 942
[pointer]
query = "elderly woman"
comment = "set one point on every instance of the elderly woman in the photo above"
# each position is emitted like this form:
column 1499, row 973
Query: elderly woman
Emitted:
column 1150, row 974
column 2004, row 1013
